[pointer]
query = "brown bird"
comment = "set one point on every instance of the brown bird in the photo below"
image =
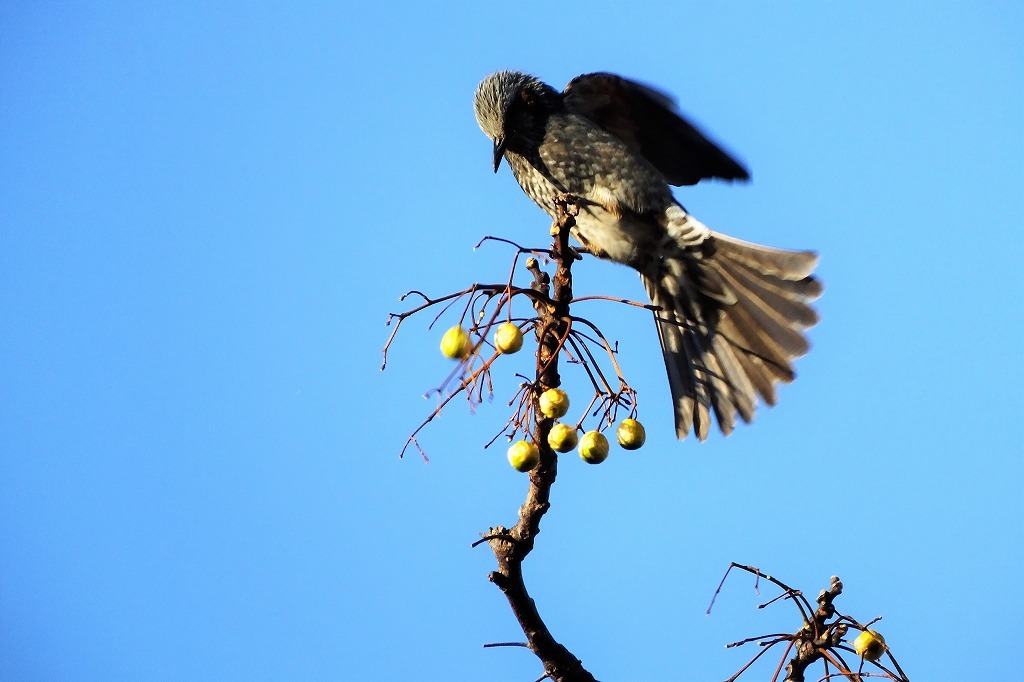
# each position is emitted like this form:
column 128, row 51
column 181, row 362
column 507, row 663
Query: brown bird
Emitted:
column 732, row 313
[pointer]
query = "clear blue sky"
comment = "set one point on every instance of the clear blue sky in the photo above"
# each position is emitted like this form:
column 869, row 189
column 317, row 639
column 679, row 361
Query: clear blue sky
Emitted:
column 206, row 213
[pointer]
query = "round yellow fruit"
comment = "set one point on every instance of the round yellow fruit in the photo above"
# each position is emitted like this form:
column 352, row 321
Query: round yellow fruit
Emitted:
column 455, row 343
column 869, row 645
column 562, row 438
column 523, row 456
column 554, row 403
column 631, row 434
column 593, row 447
column 508, row 339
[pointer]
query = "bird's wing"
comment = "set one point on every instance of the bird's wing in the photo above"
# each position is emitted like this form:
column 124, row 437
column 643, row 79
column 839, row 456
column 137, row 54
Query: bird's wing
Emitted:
column 647, row 121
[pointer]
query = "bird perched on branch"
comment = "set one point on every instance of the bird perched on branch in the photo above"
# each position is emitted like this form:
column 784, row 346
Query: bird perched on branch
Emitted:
column 732, row 313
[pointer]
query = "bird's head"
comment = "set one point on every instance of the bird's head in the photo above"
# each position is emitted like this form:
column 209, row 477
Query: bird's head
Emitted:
column 509, row 108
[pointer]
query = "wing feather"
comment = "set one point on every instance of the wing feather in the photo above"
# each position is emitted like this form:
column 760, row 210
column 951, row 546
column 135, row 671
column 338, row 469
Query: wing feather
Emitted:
column 647, row 121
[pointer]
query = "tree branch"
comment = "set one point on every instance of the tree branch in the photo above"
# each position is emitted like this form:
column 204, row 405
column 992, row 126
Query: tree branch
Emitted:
column 819, row 637
column 511, row 546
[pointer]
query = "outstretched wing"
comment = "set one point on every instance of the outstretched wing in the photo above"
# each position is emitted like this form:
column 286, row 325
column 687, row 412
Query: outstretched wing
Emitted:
column 647, row 121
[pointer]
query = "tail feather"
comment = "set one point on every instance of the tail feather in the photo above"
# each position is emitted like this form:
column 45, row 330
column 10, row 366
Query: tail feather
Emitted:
column 699, row 406
column 721, row 396
column 742, row 330
column 679, row 337
column 737, row 376
column 731, row 321
column 806, row 289
column 769, row 319
column 762, row 377
column 791, row 265
column 702, row 368
column 717, row 373
column 790, row 303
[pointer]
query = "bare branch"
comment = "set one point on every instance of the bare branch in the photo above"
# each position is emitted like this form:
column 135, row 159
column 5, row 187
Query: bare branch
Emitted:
column 820, row 638
column 511, row 546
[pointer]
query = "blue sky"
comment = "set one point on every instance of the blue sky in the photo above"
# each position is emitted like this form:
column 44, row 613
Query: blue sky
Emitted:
column 206, row 213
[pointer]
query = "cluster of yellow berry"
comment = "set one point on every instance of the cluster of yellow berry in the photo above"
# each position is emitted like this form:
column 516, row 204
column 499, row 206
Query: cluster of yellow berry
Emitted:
column 593, row 446
column 554, row 403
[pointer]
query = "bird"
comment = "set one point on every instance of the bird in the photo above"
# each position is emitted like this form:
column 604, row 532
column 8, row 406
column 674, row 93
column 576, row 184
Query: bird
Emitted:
column 730, row 314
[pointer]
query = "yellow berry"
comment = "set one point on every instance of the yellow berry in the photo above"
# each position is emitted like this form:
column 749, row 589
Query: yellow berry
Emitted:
column 562, row 438
column 508, row 339
column 554, row 403
column 631, row 434
column 523, row 456
column 455, row 343
column 594, row 447
column 869, row 645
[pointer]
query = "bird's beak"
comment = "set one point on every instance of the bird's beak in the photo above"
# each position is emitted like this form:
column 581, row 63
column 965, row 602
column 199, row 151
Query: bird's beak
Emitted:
column 499, row 151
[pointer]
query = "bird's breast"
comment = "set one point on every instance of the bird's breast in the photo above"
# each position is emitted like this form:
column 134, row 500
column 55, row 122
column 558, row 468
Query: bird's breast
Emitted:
column 624, row 197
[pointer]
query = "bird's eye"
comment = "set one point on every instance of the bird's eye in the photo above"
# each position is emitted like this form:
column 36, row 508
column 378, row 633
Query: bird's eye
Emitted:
column 517, row 118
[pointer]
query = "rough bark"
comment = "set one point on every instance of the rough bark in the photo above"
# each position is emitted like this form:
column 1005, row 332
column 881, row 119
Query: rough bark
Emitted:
column 512, row 545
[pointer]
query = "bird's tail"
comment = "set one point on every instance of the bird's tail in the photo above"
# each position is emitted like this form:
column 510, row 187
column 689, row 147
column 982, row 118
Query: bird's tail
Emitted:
column 731, row 321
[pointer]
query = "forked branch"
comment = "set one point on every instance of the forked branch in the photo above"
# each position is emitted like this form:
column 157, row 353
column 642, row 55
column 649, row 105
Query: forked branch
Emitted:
column 821, row 637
